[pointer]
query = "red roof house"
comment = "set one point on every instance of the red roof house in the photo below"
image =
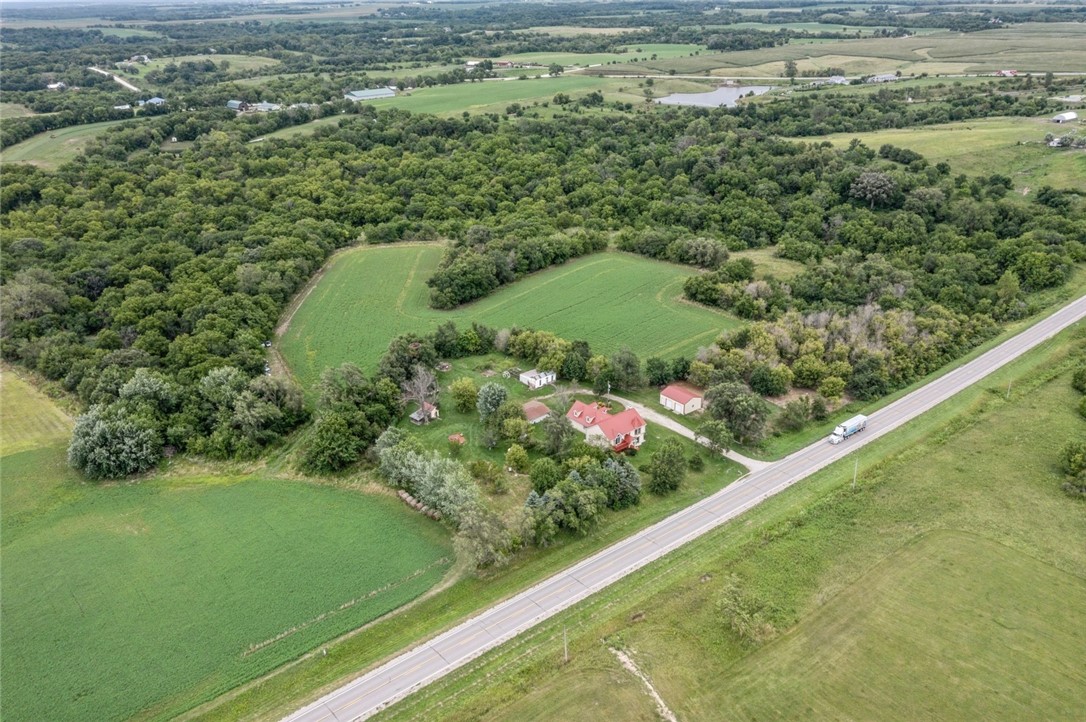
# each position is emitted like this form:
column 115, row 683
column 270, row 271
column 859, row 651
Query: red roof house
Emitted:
column 622, row 431
column 681, row 399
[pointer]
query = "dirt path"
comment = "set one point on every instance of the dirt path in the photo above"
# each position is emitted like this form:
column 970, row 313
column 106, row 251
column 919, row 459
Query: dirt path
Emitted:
column 117, row 78
column 668, row 423
column 661, row 706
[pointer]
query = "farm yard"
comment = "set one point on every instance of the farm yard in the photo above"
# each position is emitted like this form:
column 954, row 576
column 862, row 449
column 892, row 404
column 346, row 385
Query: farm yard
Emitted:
column 368, row 295
column 167, row 592
column 947, row 569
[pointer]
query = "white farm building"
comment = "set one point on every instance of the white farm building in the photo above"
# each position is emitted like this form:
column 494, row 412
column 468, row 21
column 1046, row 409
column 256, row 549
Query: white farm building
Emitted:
column 535, row 379
column 1065, row 117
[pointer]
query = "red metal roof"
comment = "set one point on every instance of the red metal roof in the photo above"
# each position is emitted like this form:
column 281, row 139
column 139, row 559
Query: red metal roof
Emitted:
column 621, row 423
column 681, row 394
column 586, row 415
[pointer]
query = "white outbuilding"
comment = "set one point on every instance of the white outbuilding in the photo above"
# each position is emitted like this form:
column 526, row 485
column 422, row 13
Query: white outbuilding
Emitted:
column 1065, row 117
column 535, row 379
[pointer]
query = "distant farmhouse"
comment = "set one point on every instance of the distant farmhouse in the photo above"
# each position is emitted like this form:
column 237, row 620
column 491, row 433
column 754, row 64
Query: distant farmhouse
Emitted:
column 372, row 94
column 56, row 86
column 621, row 431
column 263, row 107
column 139, row 59
column 883, row 78
column 153, row 101
column 535, row 379
column 238, row 105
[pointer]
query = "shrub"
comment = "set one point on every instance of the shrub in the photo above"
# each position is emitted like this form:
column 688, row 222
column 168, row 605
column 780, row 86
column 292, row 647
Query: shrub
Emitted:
column 516, row 458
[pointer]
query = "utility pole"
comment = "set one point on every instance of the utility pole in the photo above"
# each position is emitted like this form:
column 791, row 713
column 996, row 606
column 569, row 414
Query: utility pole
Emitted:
column 1009, row 390
column 855, row 470
column 565, row 647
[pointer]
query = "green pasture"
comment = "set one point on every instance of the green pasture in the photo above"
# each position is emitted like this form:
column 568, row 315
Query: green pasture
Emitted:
column 144, row 599
column 14, row 110
column 640, row 51
column 946, row 584
column 237, row 62
column 55, row 147
column 491, row 95
column 370, row 294
column 30, row 418
column 767, row 263
column 1014, row 147
column 565, row 31
column 129, row 32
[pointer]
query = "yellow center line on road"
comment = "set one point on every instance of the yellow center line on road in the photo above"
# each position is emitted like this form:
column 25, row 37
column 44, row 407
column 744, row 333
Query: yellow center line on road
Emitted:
column 387, row 681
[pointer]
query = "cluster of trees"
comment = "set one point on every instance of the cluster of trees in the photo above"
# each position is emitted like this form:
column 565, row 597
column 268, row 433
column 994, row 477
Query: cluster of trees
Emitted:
column 140, row 414
column 571, row 495
column 1073, row 453
column 820, row 113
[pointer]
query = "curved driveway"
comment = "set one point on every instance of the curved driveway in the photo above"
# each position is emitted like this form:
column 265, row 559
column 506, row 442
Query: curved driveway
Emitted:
column 430, row 660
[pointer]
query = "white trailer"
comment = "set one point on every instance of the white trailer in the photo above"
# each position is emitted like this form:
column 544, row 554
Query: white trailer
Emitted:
column 853, row 426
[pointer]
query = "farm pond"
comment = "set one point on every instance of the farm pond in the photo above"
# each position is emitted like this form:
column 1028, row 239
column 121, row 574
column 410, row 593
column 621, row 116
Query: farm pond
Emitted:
column 727, row 96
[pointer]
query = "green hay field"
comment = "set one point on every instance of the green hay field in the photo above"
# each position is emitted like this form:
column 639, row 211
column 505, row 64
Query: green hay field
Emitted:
column 368, row 295
column 1014, row 147
column 14, row 110
column 947, row 585
column 56, row 147
column 145, row 599
column 237, row 62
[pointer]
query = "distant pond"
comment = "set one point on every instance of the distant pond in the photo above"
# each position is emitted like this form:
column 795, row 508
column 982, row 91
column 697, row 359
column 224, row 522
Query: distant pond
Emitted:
column 727, row 96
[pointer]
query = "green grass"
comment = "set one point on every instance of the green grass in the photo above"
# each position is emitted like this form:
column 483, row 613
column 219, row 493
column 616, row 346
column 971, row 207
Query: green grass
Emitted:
column 129, row 33
column 946, row 585
column 237, row 62
column 370, row 294
column 768, row 264
column 14, row 110
column 1014, row 147
column 30, row 418
column 56, row 147
column 489, row 96
column 145, row 599
column 280, row 694
column 646, row 51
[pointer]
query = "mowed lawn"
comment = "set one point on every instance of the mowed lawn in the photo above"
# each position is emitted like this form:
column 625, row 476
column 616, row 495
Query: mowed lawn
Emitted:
column 371, row 294
column 30, row 418
column 1014, row 147
column 950, row 583
column 148, row 598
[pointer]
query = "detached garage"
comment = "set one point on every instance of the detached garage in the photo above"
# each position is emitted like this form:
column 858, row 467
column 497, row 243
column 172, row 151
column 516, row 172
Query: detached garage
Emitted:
column 681, row 399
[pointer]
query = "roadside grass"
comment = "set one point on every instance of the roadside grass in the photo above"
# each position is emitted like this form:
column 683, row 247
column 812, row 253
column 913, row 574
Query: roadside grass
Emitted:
column 55, row 147
column 14, row 110
column 1014, row 147
column 370, row 294
column 146, row 598
column 30, row 418
column 953, row 567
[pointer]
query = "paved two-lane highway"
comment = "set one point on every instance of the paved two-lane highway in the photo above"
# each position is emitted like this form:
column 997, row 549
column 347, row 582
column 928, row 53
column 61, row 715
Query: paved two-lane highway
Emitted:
column 430, row 660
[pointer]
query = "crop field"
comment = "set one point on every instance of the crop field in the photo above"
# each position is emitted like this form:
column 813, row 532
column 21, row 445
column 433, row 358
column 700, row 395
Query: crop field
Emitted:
column 1028, row 47
column 946, row 584
column 1014, row 147
column 492, row 95
column 55, row 147
column 144, row 599
column 644, row 51
column 371, row 294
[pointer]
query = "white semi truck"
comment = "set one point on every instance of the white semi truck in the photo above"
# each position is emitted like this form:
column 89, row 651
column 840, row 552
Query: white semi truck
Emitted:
column 853, row 426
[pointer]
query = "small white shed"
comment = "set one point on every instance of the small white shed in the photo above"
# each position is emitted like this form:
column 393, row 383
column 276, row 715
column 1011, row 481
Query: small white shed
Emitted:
column 535, row 379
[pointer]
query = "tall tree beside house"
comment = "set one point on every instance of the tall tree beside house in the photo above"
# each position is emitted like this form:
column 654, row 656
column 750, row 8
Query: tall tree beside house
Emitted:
column 490, row 399
column 421, row 388
column 667, row 468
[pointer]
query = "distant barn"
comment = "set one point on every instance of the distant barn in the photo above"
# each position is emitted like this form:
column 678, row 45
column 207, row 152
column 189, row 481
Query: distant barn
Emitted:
column 373, row 94
column 1065, row 117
